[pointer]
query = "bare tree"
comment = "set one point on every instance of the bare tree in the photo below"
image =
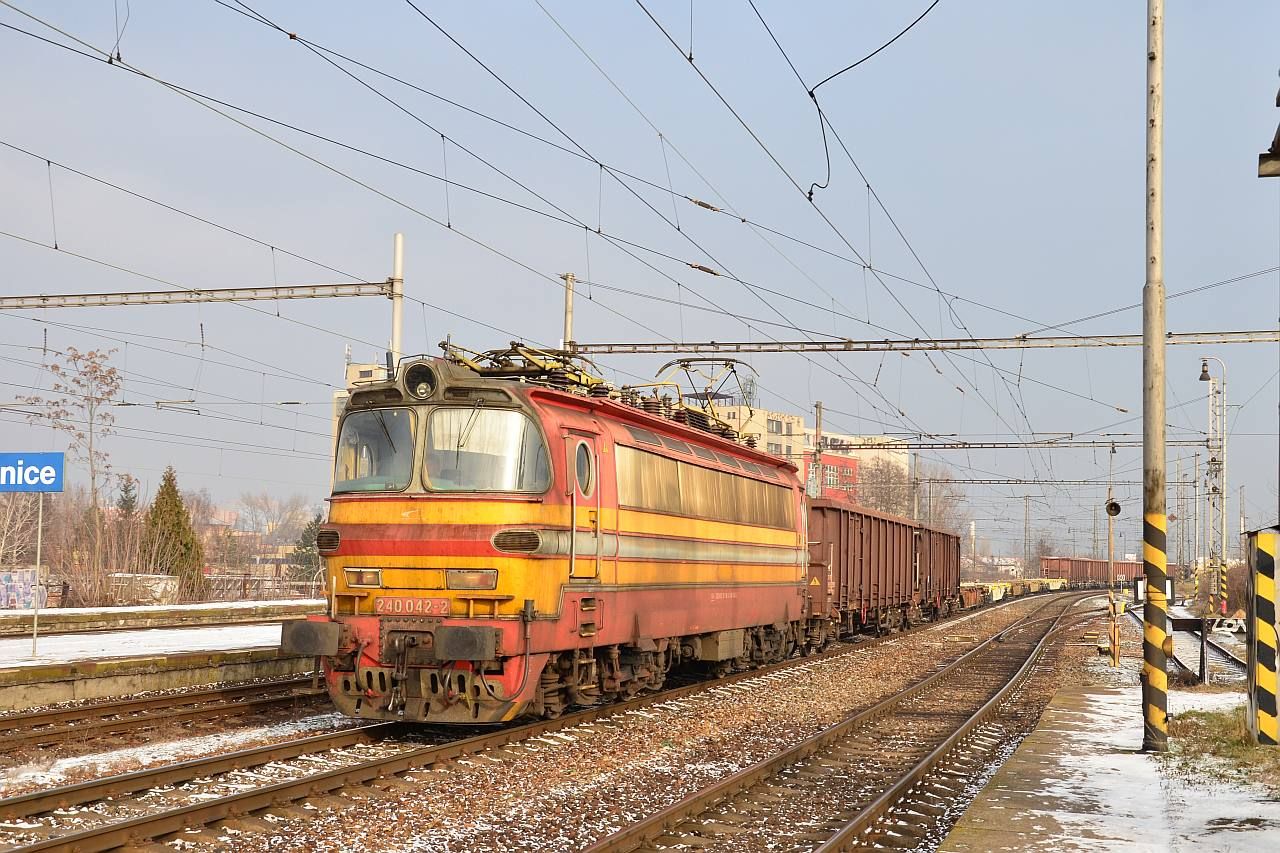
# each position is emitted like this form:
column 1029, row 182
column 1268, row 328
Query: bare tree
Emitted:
column 83, row 387
column 125, row 534
column 1044, row 546
column 277, row 520
column 18, row 512
column 74, row 538
column 943, row 503
column 884, row 487
column 201, row 508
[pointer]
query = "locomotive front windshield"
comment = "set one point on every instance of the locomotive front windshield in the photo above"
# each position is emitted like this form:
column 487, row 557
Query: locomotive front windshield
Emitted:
column 375, row 451
column 485, row 450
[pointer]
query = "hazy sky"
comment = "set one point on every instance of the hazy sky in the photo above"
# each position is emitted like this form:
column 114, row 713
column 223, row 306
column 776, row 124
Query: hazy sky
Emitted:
column 1006, row 140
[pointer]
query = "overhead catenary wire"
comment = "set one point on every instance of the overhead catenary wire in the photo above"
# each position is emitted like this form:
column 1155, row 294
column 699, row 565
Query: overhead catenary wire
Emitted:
column 824, row 123
column 196, row 98
column 60, row 45
column 177, row 89
column 834, row 228
column 275, row 26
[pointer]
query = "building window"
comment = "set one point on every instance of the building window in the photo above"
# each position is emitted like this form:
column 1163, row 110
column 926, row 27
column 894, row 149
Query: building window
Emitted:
column 832, row 476
column 790, row 451
column 731, row 416
column 774, row 448
column 775, row 427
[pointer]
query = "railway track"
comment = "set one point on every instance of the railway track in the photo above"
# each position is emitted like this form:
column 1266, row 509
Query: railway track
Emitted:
column 1223, row 663
column 148, row 804
column 880, row 778
column 102, row 719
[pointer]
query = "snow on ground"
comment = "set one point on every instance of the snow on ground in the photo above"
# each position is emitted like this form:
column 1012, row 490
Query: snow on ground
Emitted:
column 167, row 752
column 144, row 609
column 1181, row 701
column 1079, row 784
column 62, row 648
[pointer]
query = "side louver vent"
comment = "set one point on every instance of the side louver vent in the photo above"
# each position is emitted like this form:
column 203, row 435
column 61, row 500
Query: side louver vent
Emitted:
column 327, row 541
column 517, row 541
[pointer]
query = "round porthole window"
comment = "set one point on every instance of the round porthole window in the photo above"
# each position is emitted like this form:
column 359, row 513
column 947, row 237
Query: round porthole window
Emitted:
column 585, row 469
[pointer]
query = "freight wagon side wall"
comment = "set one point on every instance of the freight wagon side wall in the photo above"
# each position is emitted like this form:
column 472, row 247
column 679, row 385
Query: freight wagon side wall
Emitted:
column 865, row 561
column 1083, row 570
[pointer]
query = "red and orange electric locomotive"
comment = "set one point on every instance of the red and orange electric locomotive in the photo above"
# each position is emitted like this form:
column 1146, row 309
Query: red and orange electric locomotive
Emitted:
column 509, row 535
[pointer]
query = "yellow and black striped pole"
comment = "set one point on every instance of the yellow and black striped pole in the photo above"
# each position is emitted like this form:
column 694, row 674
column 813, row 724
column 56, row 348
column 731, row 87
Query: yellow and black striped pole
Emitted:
column 1222, row 587
column 1262, row 646
column 1155, row 617
column 1155, row 639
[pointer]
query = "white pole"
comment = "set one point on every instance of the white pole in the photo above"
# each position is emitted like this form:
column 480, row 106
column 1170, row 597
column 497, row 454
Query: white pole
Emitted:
column 35, row 594
column 569, row 279
column 1195, row 521
column 397, row 299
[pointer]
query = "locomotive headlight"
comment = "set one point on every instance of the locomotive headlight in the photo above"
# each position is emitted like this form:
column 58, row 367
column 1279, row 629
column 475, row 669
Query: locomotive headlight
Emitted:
column 420, row 380
column 364, row 577
column 471, row 578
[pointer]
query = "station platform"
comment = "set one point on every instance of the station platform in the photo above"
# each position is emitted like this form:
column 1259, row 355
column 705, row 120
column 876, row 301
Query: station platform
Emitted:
column 63, row 620
column 1078, row 782
column 105, row 664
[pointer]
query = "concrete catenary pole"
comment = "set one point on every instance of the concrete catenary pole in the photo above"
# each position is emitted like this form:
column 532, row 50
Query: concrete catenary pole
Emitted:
column 815, row 482
column 973, row 549
column 397, row 299
column 569, row 279
column 1195, row 512
column 1155, row 678
column 1026, row 536
column 915, row 487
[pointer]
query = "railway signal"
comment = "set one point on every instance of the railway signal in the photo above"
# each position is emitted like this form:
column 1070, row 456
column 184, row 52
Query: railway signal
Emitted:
column 1112, row 508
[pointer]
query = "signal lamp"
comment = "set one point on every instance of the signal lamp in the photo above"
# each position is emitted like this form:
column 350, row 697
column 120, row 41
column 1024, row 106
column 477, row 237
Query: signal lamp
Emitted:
column 1113, row 508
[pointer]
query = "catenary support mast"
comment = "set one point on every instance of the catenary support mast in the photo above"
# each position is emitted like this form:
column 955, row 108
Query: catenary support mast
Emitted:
column 1155, row 727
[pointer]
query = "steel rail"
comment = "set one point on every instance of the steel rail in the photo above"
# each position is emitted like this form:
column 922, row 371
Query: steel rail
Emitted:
column 652, row 827
column 61, row 724
column 39, row 802
column 1232, row 657
column 120, row 833
column 1226, row 653
column 852, row 831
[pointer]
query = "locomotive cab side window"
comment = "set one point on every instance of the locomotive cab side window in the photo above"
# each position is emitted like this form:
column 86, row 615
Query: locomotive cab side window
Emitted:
column 585, row 469
column 375, row 451
column 484, row 450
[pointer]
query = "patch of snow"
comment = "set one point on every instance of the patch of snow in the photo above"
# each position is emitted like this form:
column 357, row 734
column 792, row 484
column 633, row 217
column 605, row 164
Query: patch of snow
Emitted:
column 1181, row 701
column 1084, row 786
column 63, row 648
column 144, row 609
column 165, row 752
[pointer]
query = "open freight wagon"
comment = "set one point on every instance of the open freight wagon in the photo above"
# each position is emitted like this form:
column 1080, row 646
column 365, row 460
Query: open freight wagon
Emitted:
column 869, row 571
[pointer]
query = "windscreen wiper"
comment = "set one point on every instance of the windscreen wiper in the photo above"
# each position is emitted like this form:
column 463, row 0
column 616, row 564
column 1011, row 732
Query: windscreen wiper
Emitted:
column 385, row 431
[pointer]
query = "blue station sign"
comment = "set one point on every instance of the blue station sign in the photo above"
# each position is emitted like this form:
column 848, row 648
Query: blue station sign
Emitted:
column 31, row 472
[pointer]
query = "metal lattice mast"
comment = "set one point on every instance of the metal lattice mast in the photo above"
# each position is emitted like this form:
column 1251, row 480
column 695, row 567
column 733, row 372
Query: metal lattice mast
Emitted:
column 1216, row 485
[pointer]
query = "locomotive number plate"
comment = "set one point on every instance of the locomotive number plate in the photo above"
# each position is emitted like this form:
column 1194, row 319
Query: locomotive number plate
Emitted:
column 411, row 606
